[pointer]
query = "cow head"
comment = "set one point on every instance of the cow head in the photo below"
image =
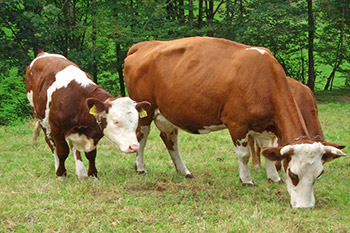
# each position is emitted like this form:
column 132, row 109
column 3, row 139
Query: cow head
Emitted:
column 303, row 164
column 118, row 119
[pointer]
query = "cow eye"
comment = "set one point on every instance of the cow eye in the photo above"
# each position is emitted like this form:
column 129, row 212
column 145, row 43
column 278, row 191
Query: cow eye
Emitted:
column 116, row 123
column 293, row 177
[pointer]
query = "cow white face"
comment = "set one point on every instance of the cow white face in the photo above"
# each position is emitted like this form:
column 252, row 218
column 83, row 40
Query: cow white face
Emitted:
column 304, row 167
column 118, row 119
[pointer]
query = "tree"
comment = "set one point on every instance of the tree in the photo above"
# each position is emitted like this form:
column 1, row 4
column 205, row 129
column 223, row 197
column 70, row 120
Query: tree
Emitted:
column 311, row 72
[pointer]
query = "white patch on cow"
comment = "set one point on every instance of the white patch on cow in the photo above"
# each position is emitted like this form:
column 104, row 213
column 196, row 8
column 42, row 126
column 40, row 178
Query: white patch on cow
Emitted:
column 306, row 163
column 266, row 140
column 57, row 161
column 162, row 123
column 211, row 128
column 257, row 49
column 81, row 142
column 79, row 166
column 140, row 162
column 46, row 55
column 30, row 98
column 243, row 154
column 122, row 119
column 63, row 79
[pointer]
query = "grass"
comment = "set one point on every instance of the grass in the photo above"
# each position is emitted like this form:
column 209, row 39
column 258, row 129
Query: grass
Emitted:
column 33, row 200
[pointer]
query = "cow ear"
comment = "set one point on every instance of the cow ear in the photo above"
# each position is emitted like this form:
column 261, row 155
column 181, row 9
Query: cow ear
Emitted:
column 272, row 153
column 142, row 108
column 338, row 146
column 95, row 106
column 278, row 153
column 332, row 153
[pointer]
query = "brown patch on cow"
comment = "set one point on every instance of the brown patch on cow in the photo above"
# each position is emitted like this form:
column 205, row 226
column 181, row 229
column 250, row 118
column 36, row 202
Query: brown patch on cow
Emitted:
column 103, row 123
column 166, row 139
column 139, row 135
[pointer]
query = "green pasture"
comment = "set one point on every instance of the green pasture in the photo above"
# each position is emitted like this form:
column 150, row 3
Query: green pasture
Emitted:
column 33, row 200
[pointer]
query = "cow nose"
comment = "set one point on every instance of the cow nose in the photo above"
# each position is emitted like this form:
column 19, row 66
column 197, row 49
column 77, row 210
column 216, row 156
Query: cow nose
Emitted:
column 134, row 147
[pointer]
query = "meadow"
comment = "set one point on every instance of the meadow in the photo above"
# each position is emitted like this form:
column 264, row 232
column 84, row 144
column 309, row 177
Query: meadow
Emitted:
column 32, row 199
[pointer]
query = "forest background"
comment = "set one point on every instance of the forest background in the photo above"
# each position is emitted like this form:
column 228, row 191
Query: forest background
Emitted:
column 309, row 38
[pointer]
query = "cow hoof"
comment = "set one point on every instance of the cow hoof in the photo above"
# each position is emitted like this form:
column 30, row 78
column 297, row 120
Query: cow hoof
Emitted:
column 277, row 182
column 61, row 178
column 142, row 172
column 94, row 179
column 82, row 177
column 249, row 184
column 189, row 176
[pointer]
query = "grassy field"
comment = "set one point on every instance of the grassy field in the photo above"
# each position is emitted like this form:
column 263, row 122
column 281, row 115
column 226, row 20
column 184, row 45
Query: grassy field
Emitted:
column 33, row 200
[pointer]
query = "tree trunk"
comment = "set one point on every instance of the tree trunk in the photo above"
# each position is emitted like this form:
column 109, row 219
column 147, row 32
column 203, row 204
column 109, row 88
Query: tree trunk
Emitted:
column 339, row 57
column 210, row 16
column 200, row 14
column 93, row 38
column 190, row 12
column 302, row 66
column 120, row 68
column 311, row 72
column 181, row 12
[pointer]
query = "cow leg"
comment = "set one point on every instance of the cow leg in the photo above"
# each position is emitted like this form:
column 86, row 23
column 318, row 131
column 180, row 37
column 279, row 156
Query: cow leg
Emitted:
column 171, row 143
column 52, row 146
column 169, row 134
column 239, row 136
column 271, row 171
column 243, row 154
column 62, row 151
column 91, row 156
column 79, row 165
column 255, row 151
column 142, row 137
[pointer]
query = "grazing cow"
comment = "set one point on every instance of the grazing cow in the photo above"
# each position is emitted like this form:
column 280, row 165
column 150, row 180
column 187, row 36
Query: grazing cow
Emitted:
column 203, row 84
column 69, row 105
column 308, row 108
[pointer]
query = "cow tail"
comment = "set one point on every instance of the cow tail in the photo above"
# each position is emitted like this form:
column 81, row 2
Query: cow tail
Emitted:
column 36, row 131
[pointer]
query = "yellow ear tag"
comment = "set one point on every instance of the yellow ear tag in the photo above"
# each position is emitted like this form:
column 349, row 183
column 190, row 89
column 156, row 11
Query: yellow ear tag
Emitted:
column 93, row 110
column 143, row 113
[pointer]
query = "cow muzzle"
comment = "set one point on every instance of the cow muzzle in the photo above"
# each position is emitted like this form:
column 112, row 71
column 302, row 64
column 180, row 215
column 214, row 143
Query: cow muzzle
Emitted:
column 133, row 148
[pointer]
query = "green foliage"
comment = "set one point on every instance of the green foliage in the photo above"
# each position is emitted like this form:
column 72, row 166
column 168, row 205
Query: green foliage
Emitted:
column 13, row 104
column 96, row 35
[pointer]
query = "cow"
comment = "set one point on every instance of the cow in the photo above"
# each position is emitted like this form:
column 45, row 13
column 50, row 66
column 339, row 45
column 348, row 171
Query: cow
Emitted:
column 307, row 105
column 70, row 106
column 204, row 84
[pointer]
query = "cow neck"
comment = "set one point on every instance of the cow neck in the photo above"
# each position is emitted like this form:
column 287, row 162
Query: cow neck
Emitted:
column 288, row 117
column 101, row 95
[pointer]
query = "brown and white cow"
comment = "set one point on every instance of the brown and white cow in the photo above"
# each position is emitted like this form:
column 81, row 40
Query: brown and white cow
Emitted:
column 308, row 109
column 69, row 105
column 203, row 84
